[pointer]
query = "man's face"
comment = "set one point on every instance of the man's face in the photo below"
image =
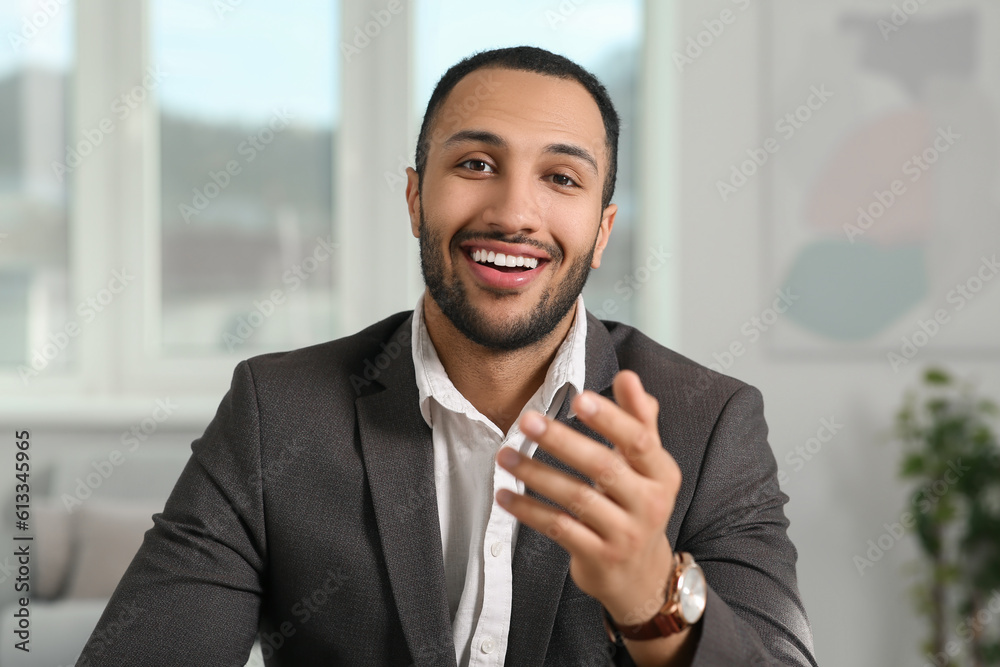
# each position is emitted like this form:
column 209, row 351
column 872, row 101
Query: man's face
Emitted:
column 516, row 166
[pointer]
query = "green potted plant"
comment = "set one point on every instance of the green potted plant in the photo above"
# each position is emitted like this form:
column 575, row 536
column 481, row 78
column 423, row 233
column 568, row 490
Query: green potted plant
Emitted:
column 950, row 449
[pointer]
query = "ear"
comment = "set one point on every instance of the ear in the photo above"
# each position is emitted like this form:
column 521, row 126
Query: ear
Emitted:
column 413, row 200
column 603, row 233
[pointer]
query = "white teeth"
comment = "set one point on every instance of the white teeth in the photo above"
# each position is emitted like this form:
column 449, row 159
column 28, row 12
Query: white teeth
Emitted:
column 501, row 259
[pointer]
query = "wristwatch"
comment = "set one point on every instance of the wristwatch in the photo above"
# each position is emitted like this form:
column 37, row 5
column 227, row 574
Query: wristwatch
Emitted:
column 686, row 597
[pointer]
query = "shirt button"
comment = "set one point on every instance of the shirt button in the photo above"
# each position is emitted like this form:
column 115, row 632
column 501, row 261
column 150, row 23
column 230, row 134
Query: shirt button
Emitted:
column 496, row 548
column 488, row 645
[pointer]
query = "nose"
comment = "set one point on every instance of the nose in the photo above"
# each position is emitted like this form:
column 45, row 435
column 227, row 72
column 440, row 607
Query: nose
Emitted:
column 515, row 205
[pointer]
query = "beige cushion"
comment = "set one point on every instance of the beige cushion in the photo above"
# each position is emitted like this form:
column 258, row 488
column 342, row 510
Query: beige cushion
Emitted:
column 107, row 535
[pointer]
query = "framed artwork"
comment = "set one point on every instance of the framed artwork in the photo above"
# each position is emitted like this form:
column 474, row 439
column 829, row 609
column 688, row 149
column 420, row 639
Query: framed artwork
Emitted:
column 881, row 202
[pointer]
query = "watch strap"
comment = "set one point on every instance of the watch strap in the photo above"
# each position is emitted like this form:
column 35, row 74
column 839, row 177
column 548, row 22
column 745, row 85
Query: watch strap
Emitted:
column 667, row 621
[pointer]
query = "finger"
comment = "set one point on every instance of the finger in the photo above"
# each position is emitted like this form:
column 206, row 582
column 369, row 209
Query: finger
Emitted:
column 632, row 438
column 595, row 461
column 555, row 524
column 645, row 452
column 593, row 509
column 634, row 399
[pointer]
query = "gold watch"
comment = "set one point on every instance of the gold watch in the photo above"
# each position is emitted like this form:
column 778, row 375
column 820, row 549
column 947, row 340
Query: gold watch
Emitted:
column 685, row 604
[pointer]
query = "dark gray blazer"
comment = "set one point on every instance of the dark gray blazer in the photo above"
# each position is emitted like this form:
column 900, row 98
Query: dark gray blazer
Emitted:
column 308, row 512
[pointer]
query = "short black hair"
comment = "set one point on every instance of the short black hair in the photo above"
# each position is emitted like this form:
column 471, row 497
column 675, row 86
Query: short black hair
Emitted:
column 526, row 59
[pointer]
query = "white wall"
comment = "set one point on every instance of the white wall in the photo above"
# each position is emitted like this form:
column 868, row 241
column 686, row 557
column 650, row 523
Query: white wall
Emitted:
column 843, row 495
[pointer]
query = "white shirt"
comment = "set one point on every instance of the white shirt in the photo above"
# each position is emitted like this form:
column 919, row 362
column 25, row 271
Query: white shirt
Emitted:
column 477, row 535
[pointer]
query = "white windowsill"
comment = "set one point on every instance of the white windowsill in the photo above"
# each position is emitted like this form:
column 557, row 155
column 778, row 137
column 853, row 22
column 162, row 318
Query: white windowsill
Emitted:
column 192, row 412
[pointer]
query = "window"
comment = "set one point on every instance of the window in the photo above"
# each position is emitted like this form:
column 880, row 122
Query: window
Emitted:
column 247, row 112
column 216, row 154
column 36, row 68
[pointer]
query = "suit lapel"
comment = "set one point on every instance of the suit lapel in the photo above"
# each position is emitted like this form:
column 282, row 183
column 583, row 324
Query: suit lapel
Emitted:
column 399, row 459
column 540, row 566
column 398, row 451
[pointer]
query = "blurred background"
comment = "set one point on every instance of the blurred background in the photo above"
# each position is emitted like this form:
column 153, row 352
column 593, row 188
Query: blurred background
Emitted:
column 809, row 201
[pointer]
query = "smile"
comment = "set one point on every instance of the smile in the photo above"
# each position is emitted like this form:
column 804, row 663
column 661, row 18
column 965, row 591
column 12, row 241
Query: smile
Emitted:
column 501, row 260
column 501, row 271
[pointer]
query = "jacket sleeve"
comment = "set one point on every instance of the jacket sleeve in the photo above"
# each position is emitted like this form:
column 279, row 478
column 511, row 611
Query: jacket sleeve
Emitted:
column 192, row 594
column 736, row 529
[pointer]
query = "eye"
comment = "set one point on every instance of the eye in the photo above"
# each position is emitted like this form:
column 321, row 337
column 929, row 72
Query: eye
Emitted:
column 564, row 180
column 477, row 165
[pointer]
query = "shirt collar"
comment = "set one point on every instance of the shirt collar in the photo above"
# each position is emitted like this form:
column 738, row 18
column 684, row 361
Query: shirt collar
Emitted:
column 568, row 366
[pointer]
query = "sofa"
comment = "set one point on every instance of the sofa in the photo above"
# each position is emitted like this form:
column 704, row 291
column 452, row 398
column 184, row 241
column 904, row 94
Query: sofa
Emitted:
column 88, row 517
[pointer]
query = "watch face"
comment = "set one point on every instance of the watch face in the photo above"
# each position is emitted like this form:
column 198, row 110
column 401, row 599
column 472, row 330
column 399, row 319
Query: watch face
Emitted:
column 692, row 593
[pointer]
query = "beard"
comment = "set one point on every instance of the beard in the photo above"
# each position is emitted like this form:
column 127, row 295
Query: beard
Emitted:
column 450, row 295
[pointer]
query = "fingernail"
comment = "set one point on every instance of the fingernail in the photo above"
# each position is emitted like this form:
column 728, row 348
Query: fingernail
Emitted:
column 533, row 424
column 508, row 457
column 586, row 405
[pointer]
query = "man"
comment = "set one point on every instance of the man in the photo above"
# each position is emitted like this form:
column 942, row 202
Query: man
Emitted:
column 496, row 477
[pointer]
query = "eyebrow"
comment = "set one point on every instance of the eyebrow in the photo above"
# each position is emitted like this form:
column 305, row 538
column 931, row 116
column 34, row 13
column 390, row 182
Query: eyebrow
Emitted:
column 495, row 140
